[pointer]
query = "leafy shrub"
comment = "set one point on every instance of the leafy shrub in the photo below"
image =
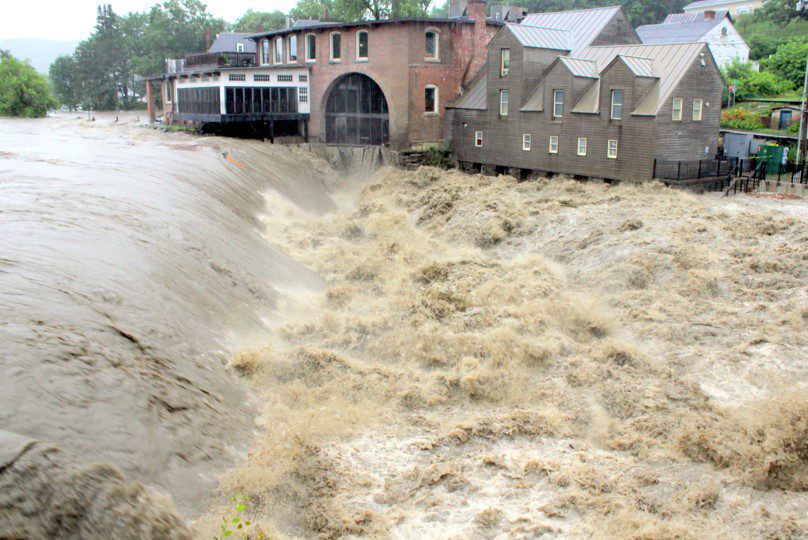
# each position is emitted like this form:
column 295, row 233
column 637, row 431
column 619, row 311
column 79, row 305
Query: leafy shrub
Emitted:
column 794, row 127
column 752, row 83
column 788, row 62
column 739, row 118
column 23, row 91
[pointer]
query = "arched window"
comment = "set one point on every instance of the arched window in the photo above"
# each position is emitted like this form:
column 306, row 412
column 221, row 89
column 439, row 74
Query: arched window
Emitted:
column 431, row 99
column 362, row 46
column 432, row 45
column 336, row 47
column 311, row 48
column 278, row 51
column 292, row 49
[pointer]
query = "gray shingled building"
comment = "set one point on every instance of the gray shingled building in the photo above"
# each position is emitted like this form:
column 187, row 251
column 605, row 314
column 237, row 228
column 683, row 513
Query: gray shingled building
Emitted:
column 577, row 93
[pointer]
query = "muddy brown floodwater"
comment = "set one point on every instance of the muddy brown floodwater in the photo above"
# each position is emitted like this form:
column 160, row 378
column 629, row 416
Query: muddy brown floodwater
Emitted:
column 422, row 354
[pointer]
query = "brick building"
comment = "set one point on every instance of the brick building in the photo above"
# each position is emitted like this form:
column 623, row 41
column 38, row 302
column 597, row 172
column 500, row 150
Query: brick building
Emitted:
column 576, row 93
column 369, row 82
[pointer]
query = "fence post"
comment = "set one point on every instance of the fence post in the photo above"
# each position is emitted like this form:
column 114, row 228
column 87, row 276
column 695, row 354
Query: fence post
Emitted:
column 653, row 174
column 699, row 170
column 678, row 170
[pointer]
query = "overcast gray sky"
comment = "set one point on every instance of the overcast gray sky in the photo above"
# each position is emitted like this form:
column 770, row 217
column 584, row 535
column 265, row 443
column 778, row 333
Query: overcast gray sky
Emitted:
column 74, row 19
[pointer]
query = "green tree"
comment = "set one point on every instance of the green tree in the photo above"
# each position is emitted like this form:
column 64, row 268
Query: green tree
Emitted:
column 23, row 91
column 764, row 36
column 64, row 75
column 266, row 20
column 359, row 10
column 780, row 11
column 752, row 83
column 789, row 62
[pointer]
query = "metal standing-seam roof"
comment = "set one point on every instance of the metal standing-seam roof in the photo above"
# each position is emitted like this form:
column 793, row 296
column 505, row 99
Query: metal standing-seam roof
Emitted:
column 708, row 3
column 538, row 37
column 676, row 18
column 580, row 68
column 641, row 67
column 590, row 101
column 655, row 34
column 670, row 63
column 584, row 25
column 475, row 98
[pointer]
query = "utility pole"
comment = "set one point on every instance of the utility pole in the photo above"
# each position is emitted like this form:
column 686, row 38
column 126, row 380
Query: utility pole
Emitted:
column 801, row 139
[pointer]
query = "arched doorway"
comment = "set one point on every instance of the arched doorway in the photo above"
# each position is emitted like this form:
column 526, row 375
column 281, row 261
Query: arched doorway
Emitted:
column 356, row 112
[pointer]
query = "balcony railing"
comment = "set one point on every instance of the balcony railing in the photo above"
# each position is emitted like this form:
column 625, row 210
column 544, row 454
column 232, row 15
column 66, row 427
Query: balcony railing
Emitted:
column 223, row 59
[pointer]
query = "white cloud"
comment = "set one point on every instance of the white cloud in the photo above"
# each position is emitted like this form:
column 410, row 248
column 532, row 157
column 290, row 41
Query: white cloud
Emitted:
column 75, row 19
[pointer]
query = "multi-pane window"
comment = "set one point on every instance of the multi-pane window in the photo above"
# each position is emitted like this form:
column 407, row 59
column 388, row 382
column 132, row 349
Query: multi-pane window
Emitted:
column 432, row 45
column 558, row 103
column 611, row 153
column 336, row 47
column 237, row 77
column 527, row 139
column 431, row 99
column 279, row 50
column 617, row 104
column 505, row 62
column 311, row 47
column 262, row 77
column 582, row 144
column 677, row 109
column 239, row 47
column 504, row 98
column 285, row 77
column 362, row 45
column 698, row 106
column 554, row 144
column 292, row 49
column 478, row 138
column 265, row 52
column 303, row 94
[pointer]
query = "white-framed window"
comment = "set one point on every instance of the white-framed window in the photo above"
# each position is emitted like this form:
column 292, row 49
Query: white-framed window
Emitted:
column 478, row 138
column 527, row 140
column 291, row 55
column 311, row 48
column 582, row 146
column 611, row 151
column 362, row 45
column 303, row 94
column 617, row 104
column 264, row 52
column 504, row 99
column 553, row 144
column 237, row 77
column 432, row 45
column 278, row 51
column 431, row 99
column 336, row 47
column 285, row 77
column 698, row 106
column 677, row 109
column 504, row 62
column 558, row 103
column 239, row 47
column 262, row 77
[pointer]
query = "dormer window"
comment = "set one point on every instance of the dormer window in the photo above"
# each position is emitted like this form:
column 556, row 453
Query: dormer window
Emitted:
column 558, row 103
column 617, row 104
column 505, row 62
column 432, row 46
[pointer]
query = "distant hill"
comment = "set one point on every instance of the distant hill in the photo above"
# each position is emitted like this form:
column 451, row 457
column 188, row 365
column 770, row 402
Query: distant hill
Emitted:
column 41, row 52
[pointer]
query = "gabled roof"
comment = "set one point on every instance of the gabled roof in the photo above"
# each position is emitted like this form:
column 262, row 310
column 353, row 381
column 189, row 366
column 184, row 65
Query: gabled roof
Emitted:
column 580, row 68
column 641, row 67
column 538, row 37
column 676, row 18
column 475, row 97
column 228, row 42
column 653, row 34
column 668, row 62
column 584, row 25
column 535, row 103
column 708, row 3
column 306, row 23
column 590, row 101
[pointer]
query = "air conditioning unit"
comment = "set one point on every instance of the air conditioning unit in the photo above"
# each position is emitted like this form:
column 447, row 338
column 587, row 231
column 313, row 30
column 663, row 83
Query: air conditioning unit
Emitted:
column 504, row 72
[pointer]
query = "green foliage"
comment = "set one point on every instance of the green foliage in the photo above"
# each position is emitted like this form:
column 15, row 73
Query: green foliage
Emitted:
column 752, row 83
column 234, row 525
column 440, row 156
column 256, row 21
column 789, row 62
column 780, row 12
column 64, row 77
column 794, row 127
column 764, row 33
column 23, row 91
column 358, row 10
column 740, row 118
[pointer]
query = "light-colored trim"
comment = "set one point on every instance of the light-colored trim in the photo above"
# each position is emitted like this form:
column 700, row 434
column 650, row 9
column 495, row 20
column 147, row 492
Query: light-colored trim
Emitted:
column 308, row 58
column 435, row 58
column 504, row 102
column 239, row 47
column 585, row 146
column 504, row 71
column 553, row 144
column 289, row 50
column 622, row 102
column 263, row 59
column 527, row 141
column 331, row 46
column 478, row 138
column 674, row 116
column 609, row 149
column 436, row 110
column 362, row 58
column 699, row 109
column 555, row 102
column 277, row 58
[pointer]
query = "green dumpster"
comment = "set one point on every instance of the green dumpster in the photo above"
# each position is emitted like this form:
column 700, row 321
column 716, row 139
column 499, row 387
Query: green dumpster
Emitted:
column 774, row 157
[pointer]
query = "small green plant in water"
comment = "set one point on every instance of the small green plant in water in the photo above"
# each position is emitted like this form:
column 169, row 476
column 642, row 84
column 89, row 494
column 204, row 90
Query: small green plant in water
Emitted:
column 234, row 525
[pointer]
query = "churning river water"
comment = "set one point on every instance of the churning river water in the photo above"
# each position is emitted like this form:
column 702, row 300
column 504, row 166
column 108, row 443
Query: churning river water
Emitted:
column 131, row 266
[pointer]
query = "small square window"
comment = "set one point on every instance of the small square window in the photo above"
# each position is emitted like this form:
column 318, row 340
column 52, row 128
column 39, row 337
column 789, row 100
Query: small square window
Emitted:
column 582, row 144
column 554, row 144
column 612, row 150
column 526, row 140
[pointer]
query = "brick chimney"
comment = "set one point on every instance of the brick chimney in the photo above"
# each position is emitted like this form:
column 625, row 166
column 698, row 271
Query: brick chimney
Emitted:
column 259, row 28
column 477, row 10
column 709, row 14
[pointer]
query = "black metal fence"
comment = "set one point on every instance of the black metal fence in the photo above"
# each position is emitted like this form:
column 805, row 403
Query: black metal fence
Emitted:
column 790, row 172
column 729, row 175
column 711, row 168
column 222, row 59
